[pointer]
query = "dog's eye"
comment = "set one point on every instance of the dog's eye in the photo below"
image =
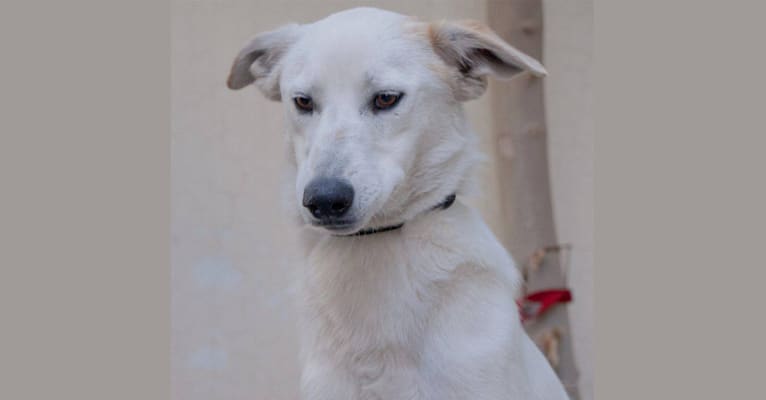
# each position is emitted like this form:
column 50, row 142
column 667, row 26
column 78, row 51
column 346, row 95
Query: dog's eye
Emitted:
column 304, row 103
column 386, row 100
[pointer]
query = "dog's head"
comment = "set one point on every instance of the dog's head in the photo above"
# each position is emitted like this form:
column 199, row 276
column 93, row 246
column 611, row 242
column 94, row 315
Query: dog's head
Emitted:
column 373, row 111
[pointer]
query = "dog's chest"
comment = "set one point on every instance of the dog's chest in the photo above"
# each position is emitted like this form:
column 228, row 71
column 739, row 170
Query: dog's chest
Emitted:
column 372, row 297
column 367, row 310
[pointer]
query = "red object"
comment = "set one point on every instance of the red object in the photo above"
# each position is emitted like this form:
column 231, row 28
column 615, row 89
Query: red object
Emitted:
column 535, row 304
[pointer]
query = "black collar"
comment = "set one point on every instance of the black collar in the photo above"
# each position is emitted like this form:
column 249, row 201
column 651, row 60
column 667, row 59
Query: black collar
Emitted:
column 445, row 204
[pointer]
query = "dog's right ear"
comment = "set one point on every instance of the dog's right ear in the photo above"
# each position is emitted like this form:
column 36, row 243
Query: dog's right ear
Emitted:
column 474, row 51
column 258, row 61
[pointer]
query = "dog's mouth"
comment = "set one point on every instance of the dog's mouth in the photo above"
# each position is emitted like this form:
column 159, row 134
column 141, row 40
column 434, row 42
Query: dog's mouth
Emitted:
column 337, row 227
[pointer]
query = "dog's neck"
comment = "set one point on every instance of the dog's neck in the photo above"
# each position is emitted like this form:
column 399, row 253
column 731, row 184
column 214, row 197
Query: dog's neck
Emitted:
column 443, row 205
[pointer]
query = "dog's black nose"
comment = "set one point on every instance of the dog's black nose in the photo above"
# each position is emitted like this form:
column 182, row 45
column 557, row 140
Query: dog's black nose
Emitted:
column 328, row 197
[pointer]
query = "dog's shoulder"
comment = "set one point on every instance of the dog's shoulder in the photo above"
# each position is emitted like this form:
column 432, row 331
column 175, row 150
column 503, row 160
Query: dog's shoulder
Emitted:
column 465, row 239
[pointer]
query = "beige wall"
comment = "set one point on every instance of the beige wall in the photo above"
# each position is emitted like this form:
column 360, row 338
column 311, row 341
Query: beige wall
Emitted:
column 233, row 320
column 568, row 55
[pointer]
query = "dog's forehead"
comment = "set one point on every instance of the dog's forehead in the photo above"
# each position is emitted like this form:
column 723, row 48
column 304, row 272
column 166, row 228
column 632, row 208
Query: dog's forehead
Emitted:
column 359, row 44
column 357, row 21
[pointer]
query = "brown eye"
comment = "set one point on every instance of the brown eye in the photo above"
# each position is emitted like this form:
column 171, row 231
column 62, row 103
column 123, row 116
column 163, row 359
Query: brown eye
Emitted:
column 304, row 104
column 384, row 101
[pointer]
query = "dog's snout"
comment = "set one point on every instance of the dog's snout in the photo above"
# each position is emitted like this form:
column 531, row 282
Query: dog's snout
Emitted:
column 328, row 198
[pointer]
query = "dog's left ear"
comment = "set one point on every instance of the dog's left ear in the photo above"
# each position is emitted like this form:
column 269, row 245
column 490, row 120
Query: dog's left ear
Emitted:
column 258, row 61
column 475, row 51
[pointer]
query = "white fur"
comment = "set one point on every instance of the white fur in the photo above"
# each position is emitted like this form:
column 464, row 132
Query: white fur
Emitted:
column 427, row 311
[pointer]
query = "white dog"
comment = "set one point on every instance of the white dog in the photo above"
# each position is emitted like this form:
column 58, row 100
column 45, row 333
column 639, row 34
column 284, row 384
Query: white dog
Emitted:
column 406, row 293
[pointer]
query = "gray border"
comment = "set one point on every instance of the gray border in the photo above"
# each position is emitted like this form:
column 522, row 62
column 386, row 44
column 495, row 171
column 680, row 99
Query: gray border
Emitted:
column 679, row 199
column 85, row 194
